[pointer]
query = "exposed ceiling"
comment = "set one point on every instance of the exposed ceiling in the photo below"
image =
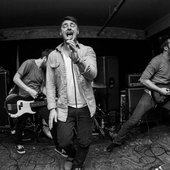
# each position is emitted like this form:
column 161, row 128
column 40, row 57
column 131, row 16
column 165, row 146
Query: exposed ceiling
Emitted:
column 135, row 14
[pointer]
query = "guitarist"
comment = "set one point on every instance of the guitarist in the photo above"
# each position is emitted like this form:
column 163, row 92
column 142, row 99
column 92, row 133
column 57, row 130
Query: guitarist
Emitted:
column 30, row 82
column 157, row 72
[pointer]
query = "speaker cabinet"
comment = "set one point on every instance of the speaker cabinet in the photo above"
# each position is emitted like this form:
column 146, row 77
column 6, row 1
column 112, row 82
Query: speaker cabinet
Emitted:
column 108, row 68
column 134, row 95
column 4, row 118
column 133, row 80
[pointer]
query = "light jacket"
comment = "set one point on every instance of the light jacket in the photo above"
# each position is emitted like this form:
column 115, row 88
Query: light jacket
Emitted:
column 56, row 84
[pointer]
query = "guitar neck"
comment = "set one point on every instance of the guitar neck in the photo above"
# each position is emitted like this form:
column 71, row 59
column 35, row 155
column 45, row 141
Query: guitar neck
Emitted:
column 38, row 104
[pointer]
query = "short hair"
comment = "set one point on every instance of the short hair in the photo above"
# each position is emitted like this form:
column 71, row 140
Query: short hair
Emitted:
column 46, row 52
column 164, row 41
column 70, row 18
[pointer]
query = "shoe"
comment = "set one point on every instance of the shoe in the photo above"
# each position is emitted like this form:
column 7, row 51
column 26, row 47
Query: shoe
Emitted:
column 68, row 164
column 112, row 146
column 61, row 151
column 20, row 149
column 13, row 131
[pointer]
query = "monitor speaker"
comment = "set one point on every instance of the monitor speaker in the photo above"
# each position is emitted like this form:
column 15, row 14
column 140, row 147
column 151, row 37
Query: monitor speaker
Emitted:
column 108, row 74
column 134, row 95
column 4, row 118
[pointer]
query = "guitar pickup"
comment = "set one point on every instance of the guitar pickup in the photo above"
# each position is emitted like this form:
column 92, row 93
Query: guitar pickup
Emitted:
column 11, row 107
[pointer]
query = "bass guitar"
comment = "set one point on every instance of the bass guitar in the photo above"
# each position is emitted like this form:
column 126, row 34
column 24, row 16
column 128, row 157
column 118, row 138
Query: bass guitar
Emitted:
column 18, row 105
column 161, row 99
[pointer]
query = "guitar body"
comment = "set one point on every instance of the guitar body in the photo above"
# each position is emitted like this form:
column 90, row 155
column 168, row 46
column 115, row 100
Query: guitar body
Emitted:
column 159, row 98
column 18, row 105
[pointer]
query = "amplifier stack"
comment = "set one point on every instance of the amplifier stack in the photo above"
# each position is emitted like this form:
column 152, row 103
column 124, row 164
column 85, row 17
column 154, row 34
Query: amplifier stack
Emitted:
column 130, row 96
column 134, row 91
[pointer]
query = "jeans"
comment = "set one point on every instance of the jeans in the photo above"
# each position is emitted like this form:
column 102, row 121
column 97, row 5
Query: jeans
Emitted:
column 144, row 105
column 78, row 122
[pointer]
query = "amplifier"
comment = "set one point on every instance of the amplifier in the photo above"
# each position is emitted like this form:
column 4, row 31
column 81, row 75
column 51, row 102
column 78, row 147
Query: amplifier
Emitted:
column 134, row 95
column 133, row 80
column 4, row 118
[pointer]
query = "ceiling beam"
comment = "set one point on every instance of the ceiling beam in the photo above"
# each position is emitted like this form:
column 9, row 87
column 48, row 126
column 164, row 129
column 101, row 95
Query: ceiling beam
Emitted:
column 115, row 10
column 53, row 32
column 158, row 26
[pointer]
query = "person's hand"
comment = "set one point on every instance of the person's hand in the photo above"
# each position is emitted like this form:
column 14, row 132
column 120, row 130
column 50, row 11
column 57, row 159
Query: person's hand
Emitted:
column 52, row 117
column 71, row 44
column 165, row 91
column 74, row 51
column 33, row 93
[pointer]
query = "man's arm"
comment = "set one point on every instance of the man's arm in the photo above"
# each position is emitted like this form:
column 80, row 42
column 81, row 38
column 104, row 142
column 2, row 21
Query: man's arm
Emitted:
column 51, row 89
column 17, row 80
column 88, row 65
column 149, row 84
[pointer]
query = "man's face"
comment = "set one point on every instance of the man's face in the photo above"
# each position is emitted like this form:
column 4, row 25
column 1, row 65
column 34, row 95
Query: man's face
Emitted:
column 44, row 63
column 168, row 47
column 168, row 43
column 69, row 30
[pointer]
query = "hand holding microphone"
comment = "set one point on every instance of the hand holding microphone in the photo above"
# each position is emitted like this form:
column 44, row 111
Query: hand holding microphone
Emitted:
column 74, row 51
column 72, row 46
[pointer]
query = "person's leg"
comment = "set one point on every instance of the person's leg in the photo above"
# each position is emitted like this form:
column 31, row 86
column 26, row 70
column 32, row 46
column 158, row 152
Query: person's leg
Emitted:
column 144, row 105
column 20, row 125
column 12, row 125
column 66, row 136
column 65, row 132
column 84, row 136
column 167, row 105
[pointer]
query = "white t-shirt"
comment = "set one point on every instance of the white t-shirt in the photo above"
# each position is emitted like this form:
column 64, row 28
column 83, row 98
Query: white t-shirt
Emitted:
column 75, row 97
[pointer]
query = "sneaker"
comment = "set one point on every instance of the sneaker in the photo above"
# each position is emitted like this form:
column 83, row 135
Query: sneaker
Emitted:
column 112, row 146
column 13, row 131
column 20, row 149
column 61, row 151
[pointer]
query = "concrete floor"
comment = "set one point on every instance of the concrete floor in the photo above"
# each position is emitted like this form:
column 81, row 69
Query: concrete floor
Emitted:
column 146, row 148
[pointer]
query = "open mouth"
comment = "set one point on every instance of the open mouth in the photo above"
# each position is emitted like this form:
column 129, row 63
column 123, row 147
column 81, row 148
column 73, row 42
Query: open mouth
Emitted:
column 69, row 35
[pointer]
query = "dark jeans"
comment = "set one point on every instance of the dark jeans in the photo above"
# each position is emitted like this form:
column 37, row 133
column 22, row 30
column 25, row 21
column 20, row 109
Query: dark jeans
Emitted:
column 78, row 121
column 21, row 123
column 145, row 104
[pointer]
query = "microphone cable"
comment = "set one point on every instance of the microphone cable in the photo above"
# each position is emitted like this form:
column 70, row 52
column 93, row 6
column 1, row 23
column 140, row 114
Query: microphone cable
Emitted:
column 75, row 92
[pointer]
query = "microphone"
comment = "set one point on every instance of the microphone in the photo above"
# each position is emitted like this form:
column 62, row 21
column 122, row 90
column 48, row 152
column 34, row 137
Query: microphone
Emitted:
column 70, row 47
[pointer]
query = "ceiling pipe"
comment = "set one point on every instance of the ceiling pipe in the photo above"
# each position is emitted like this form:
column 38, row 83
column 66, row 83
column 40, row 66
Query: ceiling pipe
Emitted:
column 111, row 16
